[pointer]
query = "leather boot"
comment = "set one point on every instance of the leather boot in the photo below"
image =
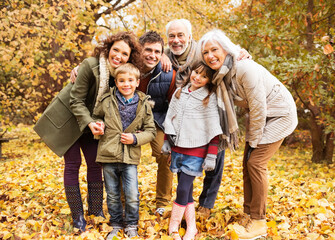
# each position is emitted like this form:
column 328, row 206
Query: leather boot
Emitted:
column 254, row 230
column 175, row 219
column 191, row 229
column 73, row 198
column 95, row 198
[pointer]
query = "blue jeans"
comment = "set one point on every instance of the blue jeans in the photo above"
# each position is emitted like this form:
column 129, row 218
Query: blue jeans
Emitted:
column 190, row 165
column 212, row 182
column 113, row 174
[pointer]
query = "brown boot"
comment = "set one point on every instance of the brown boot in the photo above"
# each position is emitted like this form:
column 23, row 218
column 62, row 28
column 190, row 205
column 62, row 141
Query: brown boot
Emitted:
column 204, row 212
column 254, row 230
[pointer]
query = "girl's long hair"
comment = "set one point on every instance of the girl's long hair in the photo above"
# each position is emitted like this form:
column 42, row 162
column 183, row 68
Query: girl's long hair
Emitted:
column 200, row 66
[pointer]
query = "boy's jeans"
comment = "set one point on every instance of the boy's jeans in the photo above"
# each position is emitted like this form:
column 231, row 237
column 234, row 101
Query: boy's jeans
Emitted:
column 113, row 174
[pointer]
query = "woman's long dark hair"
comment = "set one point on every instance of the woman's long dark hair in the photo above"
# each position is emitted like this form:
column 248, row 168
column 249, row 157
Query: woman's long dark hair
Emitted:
column 129, row 38
column 200, row 66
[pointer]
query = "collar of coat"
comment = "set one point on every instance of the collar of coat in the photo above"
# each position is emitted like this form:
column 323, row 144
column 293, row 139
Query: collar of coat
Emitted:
column 200, row 93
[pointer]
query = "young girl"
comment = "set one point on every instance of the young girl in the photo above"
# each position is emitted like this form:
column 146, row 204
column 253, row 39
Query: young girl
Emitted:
column 192, row 129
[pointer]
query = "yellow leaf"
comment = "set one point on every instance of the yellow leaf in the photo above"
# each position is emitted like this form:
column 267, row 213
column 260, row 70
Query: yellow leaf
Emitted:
column 312, row 202
column 65, row 211
column 234, row 235
column 182, row 231
column 271, row 224
column 25, row 215
column 7, row 235
column 165, row 237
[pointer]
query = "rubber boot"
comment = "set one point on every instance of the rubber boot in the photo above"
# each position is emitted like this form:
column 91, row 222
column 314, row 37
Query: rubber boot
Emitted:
column 73, row 198
column 95, row 198
column 191, row 229
column 175, row 219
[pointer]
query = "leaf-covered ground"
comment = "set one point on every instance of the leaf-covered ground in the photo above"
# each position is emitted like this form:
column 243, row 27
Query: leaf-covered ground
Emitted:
column 301, row 202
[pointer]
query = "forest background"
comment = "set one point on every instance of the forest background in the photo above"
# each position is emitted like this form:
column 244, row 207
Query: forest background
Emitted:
column 42, row 40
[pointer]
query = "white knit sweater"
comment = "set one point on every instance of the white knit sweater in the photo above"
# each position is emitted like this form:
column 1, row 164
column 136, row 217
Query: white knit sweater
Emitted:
column 192, row 123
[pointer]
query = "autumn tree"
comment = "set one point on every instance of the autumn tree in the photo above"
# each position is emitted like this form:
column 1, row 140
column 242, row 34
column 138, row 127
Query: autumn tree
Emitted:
column 41, row 41
column 295, row 41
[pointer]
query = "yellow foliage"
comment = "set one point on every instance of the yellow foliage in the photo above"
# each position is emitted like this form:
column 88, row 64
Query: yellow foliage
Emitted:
column 33, row 204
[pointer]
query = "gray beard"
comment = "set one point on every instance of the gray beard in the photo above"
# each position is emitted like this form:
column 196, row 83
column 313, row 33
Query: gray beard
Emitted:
column 182, row 51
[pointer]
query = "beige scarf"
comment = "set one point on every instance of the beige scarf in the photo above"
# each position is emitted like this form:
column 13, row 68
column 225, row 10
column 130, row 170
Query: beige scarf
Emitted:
column 183, row 64
column 228, row 119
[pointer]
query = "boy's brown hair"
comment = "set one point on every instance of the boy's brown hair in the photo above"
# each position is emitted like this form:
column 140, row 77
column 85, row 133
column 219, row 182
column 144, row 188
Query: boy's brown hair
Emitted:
column 128, row 68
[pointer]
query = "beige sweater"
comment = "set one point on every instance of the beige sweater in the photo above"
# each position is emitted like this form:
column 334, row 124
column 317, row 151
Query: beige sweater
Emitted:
column 272, row 110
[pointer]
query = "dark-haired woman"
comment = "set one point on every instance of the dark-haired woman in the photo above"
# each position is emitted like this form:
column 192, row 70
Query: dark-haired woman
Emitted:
column 95, row 76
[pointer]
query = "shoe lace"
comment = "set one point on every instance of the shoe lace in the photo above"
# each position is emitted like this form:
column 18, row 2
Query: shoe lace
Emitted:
column 160, row 211
column 249, row 225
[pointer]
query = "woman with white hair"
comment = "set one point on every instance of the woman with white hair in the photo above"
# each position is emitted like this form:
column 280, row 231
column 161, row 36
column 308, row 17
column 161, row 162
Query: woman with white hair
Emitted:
column 271, row 117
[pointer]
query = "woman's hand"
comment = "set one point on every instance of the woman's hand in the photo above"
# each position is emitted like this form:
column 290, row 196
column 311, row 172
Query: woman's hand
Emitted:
column 127, row 138
column 166, row 63
column 97, row 128
column 74, row 74
column 244, row 55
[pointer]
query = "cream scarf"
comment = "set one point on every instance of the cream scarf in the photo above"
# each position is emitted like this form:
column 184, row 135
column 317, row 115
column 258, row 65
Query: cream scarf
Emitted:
column 106, row 70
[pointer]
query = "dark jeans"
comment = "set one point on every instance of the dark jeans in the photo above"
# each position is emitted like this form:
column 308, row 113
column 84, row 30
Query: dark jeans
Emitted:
column 72, row 159
column 212, row 183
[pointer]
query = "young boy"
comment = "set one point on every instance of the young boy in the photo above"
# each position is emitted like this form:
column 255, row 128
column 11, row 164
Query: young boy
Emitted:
column 128, row 123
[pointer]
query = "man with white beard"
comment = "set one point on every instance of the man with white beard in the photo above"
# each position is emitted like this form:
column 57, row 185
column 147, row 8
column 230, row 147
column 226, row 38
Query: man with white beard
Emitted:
column 182, row 48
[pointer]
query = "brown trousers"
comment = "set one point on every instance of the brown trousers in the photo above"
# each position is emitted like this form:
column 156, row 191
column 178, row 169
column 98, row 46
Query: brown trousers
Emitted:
column 255, row 180
column 164, row 175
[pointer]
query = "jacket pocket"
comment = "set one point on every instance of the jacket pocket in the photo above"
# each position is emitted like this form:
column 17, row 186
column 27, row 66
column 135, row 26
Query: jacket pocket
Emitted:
column 135, row 153
column 110, row 145
column 277, row 104
column 58, row 113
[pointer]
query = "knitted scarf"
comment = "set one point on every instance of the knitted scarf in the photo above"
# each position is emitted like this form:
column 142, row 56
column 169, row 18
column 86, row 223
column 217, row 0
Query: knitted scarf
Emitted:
column 184, row 70
column 228, row 121
column 105, row 70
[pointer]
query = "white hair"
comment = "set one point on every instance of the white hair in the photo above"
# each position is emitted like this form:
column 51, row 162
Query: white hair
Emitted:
column 183, row 21
column 221, row 38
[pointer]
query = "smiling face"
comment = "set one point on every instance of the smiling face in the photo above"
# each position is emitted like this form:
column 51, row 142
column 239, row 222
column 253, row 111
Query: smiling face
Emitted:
column 126, row 83
column 213, row 54
column 119, row 53
column 198, row 78
column 152, row 54
column 178, row 38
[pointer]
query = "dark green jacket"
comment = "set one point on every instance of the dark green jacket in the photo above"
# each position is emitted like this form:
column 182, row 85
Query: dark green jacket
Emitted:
column 84, row 91
column 58, row 127
column 110, row 149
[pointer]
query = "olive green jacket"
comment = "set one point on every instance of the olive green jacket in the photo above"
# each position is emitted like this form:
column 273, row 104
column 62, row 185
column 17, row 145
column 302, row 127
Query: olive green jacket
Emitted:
column 110, row 149
column 58, row 127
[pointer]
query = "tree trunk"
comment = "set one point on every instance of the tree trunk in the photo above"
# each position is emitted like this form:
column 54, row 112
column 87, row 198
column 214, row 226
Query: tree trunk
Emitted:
column 329, row 148
column 317, row 141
